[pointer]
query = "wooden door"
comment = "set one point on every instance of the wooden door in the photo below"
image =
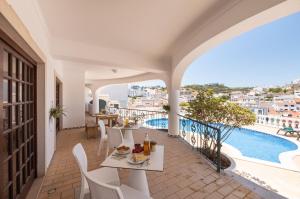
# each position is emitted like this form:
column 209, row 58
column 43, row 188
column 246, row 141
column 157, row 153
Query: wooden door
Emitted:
column 57, row 102
column 17, row 123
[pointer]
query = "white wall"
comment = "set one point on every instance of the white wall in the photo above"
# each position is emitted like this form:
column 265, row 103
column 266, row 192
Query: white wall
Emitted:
column 118, row 92
column 73, row 97
column 87, row 98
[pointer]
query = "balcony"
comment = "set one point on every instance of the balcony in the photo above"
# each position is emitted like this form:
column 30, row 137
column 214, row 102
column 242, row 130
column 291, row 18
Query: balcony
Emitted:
column 187, row 174
column 50, row 56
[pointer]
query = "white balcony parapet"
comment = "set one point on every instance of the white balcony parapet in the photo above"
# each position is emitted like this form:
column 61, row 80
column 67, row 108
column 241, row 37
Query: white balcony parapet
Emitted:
column 278, row 121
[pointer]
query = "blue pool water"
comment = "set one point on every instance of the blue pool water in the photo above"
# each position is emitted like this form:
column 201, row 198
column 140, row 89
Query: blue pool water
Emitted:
column 250, row 143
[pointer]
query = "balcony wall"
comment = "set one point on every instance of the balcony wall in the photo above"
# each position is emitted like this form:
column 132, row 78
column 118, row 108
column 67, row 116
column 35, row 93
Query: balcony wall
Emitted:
column 73, row 97
column 278, row 121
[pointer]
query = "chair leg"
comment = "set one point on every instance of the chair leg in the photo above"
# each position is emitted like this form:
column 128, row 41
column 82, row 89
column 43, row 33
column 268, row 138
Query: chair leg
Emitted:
column 99, row 147
column 137, row 179
column 107, row 151
column 82, row 192
column 82, row 195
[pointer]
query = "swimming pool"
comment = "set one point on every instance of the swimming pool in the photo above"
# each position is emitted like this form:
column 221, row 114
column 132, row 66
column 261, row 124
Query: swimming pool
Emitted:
column 250, row 143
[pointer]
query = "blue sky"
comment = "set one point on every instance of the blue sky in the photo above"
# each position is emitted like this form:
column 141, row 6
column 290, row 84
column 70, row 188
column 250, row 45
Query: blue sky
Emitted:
column 266, row 56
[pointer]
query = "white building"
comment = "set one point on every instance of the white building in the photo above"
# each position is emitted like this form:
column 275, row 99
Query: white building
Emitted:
column 117, row 93
column 287, row 98
column 297, row 93
column 136, row 91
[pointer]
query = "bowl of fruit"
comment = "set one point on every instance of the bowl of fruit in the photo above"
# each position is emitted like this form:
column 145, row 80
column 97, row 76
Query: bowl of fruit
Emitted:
column 137, row 148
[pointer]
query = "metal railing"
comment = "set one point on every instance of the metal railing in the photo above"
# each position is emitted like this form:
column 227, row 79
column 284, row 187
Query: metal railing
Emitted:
column 149, row 119
column 203, row 137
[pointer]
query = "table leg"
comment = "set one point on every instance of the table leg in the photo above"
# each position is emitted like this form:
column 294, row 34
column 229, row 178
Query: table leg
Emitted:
column 137, row 179
column 128, row 138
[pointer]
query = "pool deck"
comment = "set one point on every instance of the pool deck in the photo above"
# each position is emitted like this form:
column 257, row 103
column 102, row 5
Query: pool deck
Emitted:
column 271, row 176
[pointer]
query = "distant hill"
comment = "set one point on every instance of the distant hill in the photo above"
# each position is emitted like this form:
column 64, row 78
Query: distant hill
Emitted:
column 218, row 88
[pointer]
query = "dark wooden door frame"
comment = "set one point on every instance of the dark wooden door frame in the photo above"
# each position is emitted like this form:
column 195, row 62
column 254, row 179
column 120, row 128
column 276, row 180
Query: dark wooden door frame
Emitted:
column 18, row 135
column 14, row 34
column 59, row 84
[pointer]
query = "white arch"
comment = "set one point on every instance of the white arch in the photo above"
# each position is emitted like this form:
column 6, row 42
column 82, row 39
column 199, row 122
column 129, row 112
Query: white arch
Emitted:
column 229, row 22
column 205, row 40
column 94, row 85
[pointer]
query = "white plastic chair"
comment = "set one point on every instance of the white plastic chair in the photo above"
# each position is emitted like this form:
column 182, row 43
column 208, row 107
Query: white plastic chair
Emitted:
column 114, row 139
column 102, row 136
column 100, row 190
column 120, row 120
column 104, row 174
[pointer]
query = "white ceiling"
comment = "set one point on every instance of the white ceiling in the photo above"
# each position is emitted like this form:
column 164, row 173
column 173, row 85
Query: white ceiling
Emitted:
column 138, row 36
column 141, row 26
column 96, row 73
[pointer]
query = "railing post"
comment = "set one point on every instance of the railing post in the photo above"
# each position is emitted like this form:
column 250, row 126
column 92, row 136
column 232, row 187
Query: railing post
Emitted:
column 219, row 151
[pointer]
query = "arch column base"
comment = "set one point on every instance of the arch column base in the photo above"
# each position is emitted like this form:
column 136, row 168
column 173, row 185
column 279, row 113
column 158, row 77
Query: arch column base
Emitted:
column 95, row 103
column 173, row 120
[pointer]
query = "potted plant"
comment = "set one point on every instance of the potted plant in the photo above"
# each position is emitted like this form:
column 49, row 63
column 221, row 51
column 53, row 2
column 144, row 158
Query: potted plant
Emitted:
column 56, row 112
column 103, row 111
column 166, row 108
column 136, row 119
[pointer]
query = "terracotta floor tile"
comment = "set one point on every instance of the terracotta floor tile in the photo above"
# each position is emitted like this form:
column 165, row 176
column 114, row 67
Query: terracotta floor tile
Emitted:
column 225, row 190
column 185, row 175
column 185, row 192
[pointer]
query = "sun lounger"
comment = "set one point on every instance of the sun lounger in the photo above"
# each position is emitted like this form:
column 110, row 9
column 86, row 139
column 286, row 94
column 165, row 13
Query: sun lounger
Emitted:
column 288, row 130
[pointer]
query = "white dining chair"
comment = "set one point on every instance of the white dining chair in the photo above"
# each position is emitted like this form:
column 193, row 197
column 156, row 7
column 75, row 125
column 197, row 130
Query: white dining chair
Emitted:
column 104, row 174
column 120, row 120
column 101, row 189
column 102, row 136
column 114, row 139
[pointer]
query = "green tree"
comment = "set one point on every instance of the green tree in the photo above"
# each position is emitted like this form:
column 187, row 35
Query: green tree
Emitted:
column 184, row 104
column 220, row 113
column 275, row 90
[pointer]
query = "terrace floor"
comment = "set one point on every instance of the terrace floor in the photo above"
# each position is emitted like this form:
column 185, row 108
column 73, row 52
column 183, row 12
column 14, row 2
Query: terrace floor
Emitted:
column 186, row 174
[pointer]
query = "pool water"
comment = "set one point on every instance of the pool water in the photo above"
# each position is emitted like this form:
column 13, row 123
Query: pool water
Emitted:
column 250, row 143
column 259, row 145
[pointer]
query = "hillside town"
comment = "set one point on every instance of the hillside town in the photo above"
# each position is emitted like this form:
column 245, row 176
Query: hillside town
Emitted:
column 280, row 101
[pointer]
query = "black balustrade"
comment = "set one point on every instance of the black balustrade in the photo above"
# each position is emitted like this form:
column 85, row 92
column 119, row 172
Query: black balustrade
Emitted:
column 203, row 137
column 149, row 119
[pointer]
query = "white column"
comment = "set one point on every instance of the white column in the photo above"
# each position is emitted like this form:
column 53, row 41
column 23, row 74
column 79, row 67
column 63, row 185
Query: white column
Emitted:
column 95, row 103
column 174, row 108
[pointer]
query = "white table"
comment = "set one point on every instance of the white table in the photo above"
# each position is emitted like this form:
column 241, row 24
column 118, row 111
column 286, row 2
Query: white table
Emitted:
column 127, row 136
column 137, row 177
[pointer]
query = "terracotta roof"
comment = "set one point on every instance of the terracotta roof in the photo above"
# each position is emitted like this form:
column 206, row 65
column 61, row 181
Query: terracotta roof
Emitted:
column 292, row 113
column 272, row 111
column 297, row 100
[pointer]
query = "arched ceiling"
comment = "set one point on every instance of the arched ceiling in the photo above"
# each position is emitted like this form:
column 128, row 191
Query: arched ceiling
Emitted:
column 139, row 36
column 139, row 26
column 94, row 73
